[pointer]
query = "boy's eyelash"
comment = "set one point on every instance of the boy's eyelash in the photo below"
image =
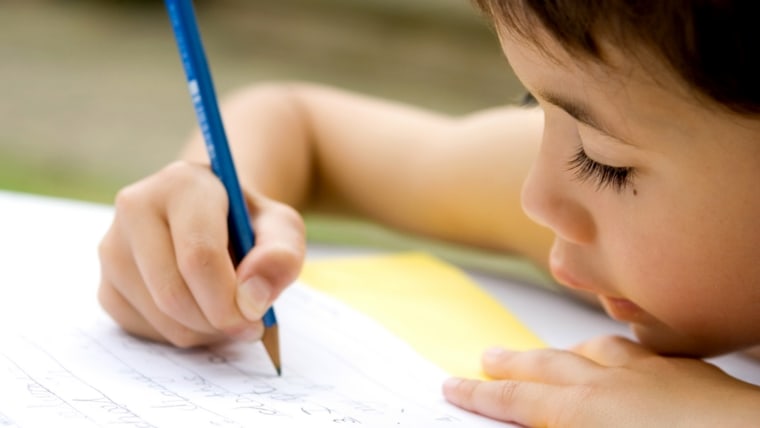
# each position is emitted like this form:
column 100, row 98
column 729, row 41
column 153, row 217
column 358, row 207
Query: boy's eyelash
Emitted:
column 585, row 168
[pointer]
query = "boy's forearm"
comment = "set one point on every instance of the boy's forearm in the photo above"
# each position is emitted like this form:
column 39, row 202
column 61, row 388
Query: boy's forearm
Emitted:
column 455, row 179
column 269, row 141
column 317, row 147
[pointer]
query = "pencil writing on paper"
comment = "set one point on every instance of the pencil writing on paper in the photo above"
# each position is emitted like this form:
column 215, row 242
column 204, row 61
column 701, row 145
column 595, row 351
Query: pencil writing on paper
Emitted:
column 90, row 373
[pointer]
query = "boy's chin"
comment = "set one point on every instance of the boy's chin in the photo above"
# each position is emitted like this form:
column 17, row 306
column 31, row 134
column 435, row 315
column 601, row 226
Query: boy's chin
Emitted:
column 665, row 341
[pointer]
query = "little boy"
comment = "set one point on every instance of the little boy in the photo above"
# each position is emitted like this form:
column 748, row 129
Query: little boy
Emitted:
column 637, row 178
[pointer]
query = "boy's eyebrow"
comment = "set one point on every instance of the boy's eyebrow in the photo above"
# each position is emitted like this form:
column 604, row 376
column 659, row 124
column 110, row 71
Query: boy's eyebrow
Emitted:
column 577, row 110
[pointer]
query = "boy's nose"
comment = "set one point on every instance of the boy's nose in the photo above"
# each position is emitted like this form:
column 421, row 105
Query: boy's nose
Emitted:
column 550, row 197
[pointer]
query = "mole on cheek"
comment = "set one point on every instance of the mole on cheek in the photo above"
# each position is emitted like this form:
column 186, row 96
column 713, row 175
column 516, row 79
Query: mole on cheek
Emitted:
column 635, row 192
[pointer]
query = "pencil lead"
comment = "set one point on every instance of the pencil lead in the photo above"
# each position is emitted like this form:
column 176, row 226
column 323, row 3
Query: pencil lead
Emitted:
column 271, row 341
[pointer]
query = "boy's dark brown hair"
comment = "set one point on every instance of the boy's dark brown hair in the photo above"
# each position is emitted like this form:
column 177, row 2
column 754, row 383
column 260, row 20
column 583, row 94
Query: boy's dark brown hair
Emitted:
column 712, row 45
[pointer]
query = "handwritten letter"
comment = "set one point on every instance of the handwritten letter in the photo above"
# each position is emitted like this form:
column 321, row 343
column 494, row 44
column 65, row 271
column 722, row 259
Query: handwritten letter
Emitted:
column 339, row 368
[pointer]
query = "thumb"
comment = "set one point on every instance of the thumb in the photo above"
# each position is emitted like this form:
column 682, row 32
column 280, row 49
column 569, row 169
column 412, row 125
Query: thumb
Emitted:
column 275, row 260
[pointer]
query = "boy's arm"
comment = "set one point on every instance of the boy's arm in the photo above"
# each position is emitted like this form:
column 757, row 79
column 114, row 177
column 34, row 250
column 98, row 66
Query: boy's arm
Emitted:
column 457, row 179
column 165, row 270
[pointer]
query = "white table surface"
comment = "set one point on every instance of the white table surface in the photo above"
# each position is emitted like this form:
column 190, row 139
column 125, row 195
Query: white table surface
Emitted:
column 48, row 239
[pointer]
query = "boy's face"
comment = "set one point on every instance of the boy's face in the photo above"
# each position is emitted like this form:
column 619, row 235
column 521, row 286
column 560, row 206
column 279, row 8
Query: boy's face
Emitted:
column 670, row 245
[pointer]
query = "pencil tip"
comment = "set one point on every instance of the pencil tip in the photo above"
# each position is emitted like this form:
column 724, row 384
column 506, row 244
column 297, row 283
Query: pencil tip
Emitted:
column 271, row 341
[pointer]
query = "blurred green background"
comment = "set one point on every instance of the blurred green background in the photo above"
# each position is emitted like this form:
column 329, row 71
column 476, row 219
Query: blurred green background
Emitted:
column 93, row 96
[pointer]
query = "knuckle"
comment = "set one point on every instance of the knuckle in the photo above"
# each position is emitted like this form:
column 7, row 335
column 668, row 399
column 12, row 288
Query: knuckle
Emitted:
column 290, row 216
column 604, row 344
column 508, row 391
column 117, row 308
column 227, row 325
column 297, row 225
column 536, row 359
column 128, row 199
column 107, row 249
column 184, row 337
column 223, row 319
column 176, row 170
column 282, row 264
column 170, row 299
column 569, row 413
column 464, row 391
column 196, row 254
column 186, row 175
column 283, row 213
column 107, row 299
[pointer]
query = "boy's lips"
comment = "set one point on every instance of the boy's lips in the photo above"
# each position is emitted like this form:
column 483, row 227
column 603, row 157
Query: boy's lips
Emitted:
column 621, row 309
column 618, row 308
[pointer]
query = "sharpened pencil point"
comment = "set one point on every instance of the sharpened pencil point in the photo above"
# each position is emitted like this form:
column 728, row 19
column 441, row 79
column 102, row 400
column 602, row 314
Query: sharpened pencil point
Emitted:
column 271, row 341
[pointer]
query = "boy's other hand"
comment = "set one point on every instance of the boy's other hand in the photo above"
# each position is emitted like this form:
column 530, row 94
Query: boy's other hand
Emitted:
column 609, row 381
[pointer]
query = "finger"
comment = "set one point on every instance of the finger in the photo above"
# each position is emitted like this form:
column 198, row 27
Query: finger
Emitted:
column 122, row 286
column 540, row 365
column 132, row 321
column 275, row 261
column 525, row 403
column 151, row 247
column 611, row 351
column 124, row 314
column 199, row 236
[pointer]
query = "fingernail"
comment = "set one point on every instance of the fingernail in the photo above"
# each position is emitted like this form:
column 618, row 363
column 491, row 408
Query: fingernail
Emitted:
column 253, row 298
column 494, row 354
column 251, row 334
column 452, row 383
column 451, row 388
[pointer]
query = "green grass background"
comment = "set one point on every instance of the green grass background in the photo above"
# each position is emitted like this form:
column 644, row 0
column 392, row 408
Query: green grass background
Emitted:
column 93, row 95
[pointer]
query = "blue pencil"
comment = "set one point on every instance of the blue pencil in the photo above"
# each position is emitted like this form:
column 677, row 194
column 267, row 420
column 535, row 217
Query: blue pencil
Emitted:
column 242, row 238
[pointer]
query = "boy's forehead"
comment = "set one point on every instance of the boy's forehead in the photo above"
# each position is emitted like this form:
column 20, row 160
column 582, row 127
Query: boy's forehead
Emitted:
column 701, row 47
column 543, row 64
column 612, row 60
column 623, row 96
column 617, row 70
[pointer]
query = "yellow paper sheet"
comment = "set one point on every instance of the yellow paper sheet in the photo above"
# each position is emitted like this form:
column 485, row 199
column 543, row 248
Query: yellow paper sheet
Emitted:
column 431, row 305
